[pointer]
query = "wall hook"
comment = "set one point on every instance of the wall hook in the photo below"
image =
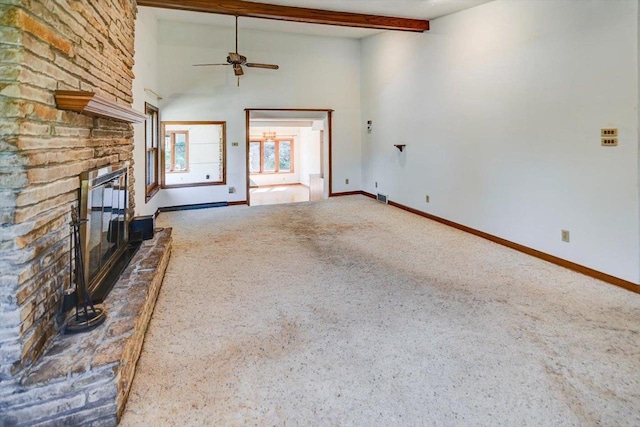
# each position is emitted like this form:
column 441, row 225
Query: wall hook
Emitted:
column 400, row 146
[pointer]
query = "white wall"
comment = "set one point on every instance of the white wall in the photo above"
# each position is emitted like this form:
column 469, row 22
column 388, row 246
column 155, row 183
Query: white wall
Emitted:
column 145, row 71
column 501, row 108
column 309, row 154
column 315, row 72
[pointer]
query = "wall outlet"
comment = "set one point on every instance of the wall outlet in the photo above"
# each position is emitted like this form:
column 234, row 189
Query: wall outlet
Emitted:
column 376, row 184
column 346, row 181
column 608, row 132
column 426, row 198
column 609, row 142
column 565, row 236
column 234, row 144
column 232, row 190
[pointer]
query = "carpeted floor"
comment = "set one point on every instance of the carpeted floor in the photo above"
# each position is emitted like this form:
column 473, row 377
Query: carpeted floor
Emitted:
column 351, row 312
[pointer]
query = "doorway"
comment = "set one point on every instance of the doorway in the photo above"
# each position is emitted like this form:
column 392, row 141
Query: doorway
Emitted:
column 288, row 155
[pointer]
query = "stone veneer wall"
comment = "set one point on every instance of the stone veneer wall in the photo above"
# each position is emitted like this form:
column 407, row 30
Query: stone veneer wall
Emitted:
column 47, row 45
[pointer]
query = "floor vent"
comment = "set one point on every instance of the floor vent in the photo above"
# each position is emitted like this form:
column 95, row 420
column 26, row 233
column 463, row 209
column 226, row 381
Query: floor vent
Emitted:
column 382, row 198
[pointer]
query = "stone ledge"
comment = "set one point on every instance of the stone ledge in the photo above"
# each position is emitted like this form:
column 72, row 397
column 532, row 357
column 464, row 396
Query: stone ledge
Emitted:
column 85, row 378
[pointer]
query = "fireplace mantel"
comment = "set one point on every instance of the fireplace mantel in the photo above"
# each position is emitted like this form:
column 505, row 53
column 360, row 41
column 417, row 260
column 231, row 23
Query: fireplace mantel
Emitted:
column 95, row 105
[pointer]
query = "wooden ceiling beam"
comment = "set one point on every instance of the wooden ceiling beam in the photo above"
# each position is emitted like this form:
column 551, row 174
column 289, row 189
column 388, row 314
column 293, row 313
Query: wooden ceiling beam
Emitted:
column 294, row 14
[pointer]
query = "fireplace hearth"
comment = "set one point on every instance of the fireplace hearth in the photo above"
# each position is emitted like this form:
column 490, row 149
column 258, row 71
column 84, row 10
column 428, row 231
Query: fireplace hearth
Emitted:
column 84, row 379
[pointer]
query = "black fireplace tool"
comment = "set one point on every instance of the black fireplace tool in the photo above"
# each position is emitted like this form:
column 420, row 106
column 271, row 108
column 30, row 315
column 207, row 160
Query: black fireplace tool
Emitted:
column 87, row 316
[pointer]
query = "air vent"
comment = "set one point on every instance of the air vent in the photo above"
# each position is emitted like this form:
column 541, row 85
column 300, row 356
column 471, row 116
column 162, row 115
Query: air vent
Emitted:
column 382, row 198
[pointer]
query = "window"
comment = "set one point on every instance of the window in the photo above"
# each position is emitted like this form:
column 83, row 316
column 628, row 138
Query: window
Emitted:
column 151, row 136
column 271, row 156
column 193, row 154
column 176, row 151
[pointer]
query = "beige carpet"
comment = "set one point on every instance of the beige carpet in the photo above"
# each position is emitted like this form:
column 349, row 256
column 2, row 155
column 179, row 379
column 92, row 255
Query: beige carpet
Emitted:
column 351, row 312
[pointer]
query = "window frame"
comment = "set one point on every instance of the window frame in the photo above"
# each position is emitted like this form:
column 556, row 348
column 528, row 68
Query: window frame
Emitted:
column 277, row 141
column 173, row 134
column 223, row 154
column 151, row 189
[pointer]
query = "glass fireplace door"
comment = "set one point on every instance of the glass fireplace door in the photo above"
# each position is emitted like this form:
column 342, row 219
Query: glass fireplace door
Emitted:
column 104, row 199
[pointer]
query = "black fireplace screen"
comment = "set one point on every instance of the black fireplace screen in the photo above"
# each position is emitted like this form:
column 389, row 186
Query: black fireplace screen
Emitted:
column 104, row 202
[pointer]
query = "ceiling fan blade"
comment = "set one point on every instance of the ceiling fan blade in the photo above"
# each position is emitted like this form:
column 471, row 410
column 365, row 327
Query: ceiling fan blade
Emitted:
column 268, row 66
column 237, row 69
column 206, row 65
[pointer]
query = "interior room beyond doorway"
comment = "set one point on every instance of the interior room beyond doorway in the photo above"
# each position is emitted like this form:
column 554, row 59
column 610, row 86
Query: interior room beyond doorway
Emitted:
column 285, row 156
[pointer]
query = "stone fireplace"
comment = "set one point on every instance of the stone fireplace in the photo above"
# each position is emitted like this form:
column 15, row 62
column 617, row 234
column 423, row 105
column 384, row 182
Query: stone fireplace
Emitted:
column 46, row 47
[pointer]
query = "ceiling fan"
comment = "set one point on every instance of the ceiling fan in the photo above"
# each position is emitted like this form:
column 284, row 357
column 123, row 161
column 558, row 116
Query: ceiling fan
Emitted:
column 237, row 61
